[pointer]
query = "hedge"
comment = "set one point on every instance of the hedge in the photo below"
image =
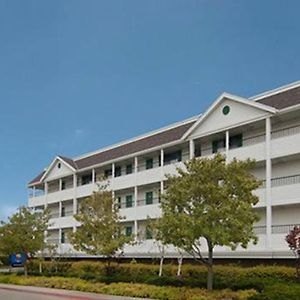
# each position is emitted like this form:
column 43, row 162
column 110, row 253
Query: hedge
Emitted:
column 130, row 290
column 228, row 276
column 81, row 268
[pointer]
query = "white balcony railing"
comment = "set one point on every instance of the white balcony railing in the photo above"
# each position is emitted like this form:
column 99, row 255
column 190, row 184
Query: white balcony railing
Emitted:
column 143, row 202
column 285, row 132
column 282, row 181
column 276, row 229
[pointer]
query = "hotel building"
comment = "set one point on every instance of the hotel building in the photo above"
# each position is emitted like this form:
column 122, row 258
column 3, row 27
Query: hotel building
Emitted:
column 265, row 127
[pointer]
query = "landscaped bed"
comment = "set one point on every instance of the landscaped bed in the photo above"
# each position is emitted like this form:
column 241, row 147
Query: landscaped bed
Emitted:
column 126, row 289
column 142, row 280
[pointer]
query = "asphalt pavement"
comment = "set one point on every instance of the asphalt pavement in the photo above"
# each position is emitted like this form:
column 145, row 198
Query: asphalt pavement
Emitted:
column 15, row 292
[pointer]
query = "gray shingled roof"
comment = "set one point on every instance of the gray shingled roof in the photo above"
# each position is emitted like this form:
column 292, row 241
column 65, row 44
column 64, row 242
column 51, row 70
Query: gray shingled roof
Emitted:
column 284, row 99
column 69, row 161
column 149, row 142
column 158, row 139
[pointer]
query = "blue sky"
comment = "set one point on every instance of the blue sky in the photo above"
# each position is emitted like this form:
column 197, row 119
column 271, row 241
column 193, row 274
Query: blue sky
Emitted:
column 79, row 75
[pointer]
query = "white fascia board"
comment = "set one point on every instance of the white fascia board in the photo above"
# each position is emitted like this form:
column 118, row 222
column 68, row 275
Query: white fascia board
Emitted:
column 289, row 109
column 232, row 97
column 52, row 164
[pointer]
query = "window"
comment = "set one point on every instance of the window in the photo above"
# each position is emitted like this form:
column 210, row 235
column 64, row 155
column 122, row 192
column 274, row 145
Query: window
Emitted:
column 149, row 163
column 172, row 157
column 129, row 202
column 59, row 165
column 226, row 110
column 118, row 171
column 63, row 185
column 107, row 173
column 62, row 238
column 218, row 144
column 129, row 169
column 86, row 179
column 236, row 141
column 149, row 235
column 119, row 200
column 149, row 198
column 128, row 230
column 63, row 211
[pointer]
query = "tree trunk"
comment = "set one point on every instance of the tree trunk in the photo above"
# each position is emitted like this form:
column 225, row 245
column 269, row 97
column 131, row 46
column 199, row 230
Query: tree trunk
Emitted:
column 161, row 266
column 210, row 267
column 40, row 267
column 25, row 269
column 180, row 259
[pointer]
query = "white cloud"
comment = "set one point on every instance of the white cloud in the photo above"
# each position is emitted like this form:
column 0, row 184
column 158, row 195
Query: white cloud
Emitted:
column 79, row 132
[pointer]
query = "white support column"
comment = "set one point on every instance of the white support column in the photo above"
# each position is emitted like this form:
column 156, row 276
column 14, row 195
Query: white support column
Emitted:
column 136, row 164
column 161, row 157
column 93, row 176
column 60, row 184
column 46, row 188
column 75, row 205
column 161, row 189
column 226, row 143
column 268, row 183
column 192, row 149
column 113, row 170
column 135, row 196
column 162, row 186
column 33, row 191
column 74, row 181
column 136, row 230
column 74, row 229
column 60, row 208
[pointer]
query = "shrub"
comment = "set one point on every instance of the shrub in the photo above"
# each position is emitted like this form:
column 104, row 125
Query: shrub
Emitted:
column 130, row 290
column 226, row 276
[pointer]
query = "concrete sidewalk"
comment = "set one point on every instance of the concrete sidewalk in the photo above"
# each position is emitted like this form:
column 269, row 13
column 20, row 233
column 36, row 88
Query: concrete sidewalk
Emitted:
column 17, row 292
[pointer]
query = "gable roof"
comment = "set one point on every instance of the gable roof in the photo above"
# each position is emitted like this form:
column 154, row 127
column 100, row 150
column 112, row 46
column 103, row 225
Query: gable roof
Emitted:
column 232, row 97
column 62, row 159
column 154, row 140
column 37, row 179
column 69, row 161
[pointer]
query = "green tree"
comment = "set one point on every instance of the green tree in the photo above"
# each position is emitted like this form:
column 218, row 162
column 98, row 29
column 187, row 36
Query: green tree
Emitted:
column 209, row 202
column 24, row 232
column 100, row 232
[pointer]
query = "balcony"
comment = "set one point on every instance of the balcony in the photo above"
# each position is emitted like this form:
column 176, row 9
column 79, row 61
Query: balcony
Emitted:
column 285, row 190
column 253, row 147
column 250, row 147
column 285, row 142
column 141, row 212
column 62, row 222
column 60, row 195
column 86, row 189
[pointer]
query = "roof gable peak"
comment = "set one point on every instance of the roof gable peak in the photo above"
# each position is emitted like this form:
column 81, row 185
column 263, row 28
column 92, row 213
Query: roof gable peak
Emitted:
column 64, row 160
column 227, row 96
